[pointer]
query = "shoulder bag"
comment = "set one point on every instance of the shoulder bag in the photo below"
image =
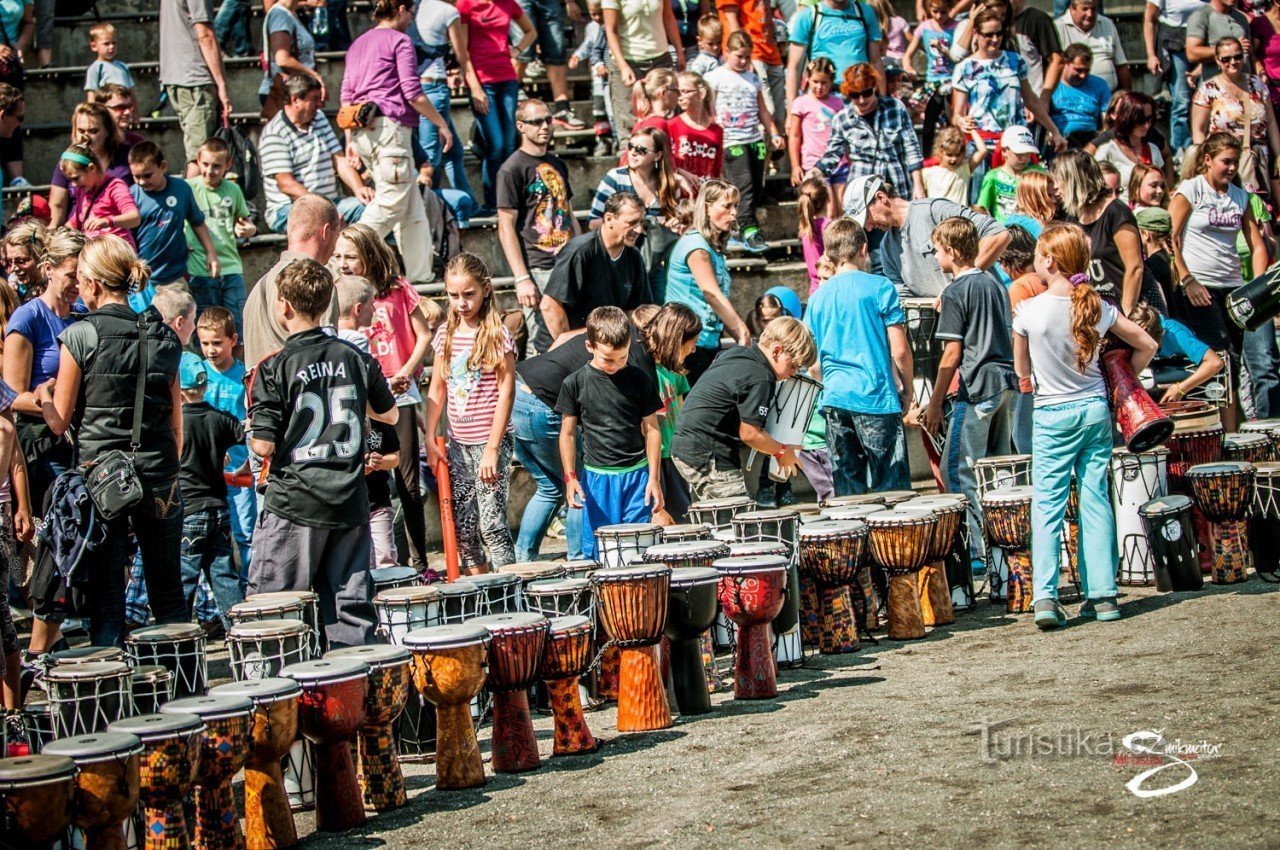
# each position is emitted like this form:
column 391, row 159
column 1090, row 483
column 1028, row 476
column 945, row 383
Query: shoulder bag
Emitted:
column 112, row 479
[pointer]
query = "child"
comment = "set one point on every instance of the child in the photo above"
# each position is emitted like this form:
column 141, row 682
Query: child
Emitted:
column 307, row 418
column 710, row 37
column 1111, row 176
column 697, row 141
column 227, row 218
column 813, row 203
column 973, row 325
column 996, row 196
column 1177, row 343
column 208, row 434
column 769, row 493
column 950, row 177
column 740, row 110
column 1146, row 187
column 107, row 68
column 475, row 361
column 809, row 132
column 1018, row 263
column 1057, row 343
column 99, row 204
column 670, row 335
column 617, row 404
column 893, row 26
column 355, row 309
column 594, row 50
column 656, row 100
column 1154, row 226
column 935, row 33
column 166, row 207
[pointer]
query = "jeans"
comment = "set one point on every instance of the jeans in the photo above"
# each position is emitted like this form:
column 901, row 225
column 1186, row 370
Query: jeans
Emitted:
column 206, row 548
column 1262, row 361
column 454, row 168
column 1073, row 437
column 243, row 503
column 1023, row 411
column 537, row 434
column 1180, row 97
column 349, row 208
column 868, row 451
column 226, row 291
column 497, row 130
column 548, row 20
column 978, row 429
column 231, row 27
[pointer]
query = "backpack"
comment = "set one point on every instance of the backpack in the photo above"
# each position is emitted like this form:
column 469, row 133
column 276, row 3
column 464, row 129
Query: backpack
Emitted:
column 246, row 167
column 446, row 236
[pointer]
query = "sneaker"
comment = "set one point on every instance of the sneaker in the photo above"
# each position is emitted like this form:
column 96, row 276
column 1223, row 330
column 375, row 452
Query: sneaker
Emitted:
column 19, row 183
column 556, row 529
column 535, row 70
column 213, row 630
column 736, row 243
column 766, row 499
column 1103, row 610
column 754, row 242
column 1049, row 614
column 787, row 499
column 32, row 675
column 563, row 117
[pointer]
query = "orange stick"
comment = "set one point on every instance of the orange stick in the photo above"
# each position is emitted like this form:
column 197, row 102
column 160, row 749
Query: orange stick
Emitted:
column 447, row 531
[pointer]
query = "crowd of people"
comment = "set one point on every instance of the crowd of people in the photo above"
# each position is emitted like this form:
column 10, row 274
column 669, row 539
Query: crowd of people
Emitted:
column 1000, row 162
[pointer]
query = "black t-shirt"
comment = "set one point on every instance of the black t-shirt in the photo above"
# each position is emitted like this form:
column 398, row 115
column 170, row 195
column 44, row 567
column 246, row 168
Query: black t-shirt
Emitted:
column 1106, row 268
column 544, row 374
column 738, row 388
column 586, row 277
column 538, row 189
column 383, row 440
column 609, row 409
column 207, row 434
column 309, row 399
column 975, row 313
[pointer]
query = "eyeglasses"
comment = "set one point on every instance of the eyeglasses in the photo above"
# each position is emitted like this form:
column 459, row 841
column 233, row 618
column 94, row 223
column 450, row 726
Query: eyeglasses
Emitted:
column 639, row 150
column 1233, row 58
column 536, row 122
column 859, row 95
column 992, row 34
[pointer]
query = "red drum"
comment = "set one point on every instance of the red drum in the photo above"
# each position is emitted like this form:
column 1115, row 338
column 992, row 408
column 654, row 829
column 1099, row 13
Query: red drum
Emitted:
column 632, row 603
column 752, row 592
column 1141, row 422
column 935, row 593
column 832, row 554
column 724, row 633
column 1224, row 492
column 449, row 670
column 224, row 750
column 170, row 759
column 515, row 651
column 107, row 789
column 36, row 797
column 1008, row 516
column 565, row 657
column 331, row 711
column 377, row 756
column 901, row 540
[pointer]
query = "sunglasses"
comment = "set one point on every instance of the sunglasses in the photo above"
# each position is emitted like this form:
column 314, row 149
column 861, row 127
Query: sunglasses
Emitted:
column 859, row 95
column 992, row 34
column 537, row 122
column 1233, row 58
column 639, row 150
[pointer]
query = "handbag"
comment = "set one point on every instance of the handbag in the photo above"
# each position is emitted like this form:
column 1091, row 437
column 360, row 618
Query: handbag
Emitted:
column 112, row 479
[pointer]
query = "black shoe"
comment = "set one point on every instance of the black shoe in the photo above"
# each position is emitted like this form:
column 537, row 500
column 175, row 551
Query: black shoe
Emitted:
column 766, row 499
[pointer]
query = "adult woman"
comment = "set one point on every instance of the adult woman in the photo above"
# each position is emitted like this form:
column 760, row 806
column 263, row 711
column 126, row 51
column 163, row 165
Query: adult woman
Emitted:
column 439, row 27
column 1219, row 106
column 17, row 31
column 1035, row 203
column 92, row 125
column 1132, row 120
column 21, row 245
column 399, row 337
column 1208, row 213
column 1265, row 47
column 97, row 372
column 874, row 135
column 1115, row 267
column 639, row 34
column 381, row 69
column 492, row 79
column 698, row 276
column 697, row 141
column 291, row 49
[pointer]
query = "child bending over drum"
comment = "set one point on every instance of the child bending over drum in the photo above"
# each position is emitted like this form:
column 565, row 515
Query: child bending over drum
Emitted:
column 1177, row 342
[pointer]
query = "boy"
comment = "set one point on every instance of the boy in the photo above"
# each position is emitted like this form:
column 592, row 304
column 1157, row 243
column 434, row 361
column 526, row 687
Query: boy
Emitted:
column 207, row 435
column 727, row 407
column 227, row 219
column 996, row 197
column 617, row 404
column 165, row 206
column 307, row 418
column 740, row 110
column 224, row 390
column 710, row 37
column 594, row 50
column 975, row 325
column 107, row 68
column 355, row 309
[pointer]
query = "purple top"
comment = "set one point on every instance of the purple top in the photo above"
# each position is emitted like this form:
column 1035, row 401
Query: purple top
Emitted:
column 117, row 168
column 381, row 67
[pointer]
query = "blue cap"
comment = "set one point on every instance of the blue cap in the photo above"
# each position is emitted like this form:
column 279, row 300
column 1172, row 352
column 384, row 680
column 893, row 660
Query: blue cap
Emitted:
column 192, row 372
column 788, row 299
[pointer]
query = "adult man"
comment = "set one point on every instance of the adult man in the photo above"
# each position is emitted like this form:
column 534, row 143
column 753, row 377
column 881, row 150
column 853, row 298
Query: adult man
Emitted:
column 1080, row 99
column 313, row 230
column 907, row 252
column 123, row 104
column 1218, row 19
column 598, row 269
column 1164, row 31
column 756, row 17
column 846, row 32
column 191, row 71
column 1082, row 24
column 1038, row 43
column 548, row 19
column 535, row 218
column 301, row 155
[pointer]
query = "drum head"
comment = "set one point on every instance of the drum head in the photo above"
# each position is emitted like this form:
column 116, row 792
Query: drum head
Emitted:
column 89, row 749
column 899, row 516
column 633, row 573
column 851, row 501
column 326, row 671
column 261, row 691
column 446, row 637
column 268, row 629
column 1165, row 505
column 934, row 499
column 682, row 549
column 376, row 655
column 688, row 531
column 721, row 504
column 750, row 548
column 1260, row 426
column 626, row 528
column 751, row 564
column 569, row 623
column 1246, row 439
column 828, row 529
column 84, row 655
column 532, row 570
column 154, row 727
column 492, row 580
column 1267, row 469
column 581, row 568
column 29, row 771
column 1007, row 495
column 274, row 601
column 387, row 575
column 466, row 586
column 510, row 622
column 88, row 672
column 151, row 673
column 169, row 633
column 1226, row 467
column 552, row 586
column 693, row 576
column 852, row 512
column 779, row 515
column 408, row 595
column 215, row 707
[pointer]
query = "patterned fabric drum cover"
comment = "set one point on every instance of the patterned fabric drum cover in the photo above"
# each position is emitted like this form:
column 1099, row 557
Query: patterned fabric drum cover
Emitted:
column 107, row 785
column 377, row 755
column 170, row 758
column 224, row 750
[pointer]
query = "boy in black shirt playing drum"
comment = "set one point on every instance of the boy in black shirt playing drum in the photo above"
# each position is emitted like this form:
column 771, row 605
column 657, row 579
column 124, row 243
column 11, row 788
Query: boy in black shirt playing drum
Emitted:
column 307, row 416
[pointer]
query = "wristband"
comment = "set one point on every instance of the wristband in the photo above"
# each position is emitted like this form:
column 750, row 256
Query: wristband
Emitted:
column 779, row 453
column 1187, row 280
column 570, row 476
column 523, row 278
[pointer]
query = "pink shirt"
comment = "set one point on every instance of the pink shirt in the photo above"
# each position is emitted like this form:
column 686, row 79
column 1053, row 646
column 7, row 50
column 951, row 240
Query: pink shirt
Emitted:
column 111, row 199
column 391, row 337
column 488, row 25
column 812, row 249
column 471, row 394
column 815, row 125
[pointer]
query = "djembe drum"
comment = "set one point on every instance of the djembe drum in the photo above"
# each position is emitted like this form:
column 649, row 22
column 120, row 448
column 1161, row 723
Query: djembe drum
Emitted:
column 1008, row 515
column 107, row 789
column 752, row 591
column 1248, row 447
column 686, row 554
column 87, row 698
column 268, row 818
column 331, row 711
column 377, row 756
column 1135, row 480
column 36, row 798
column 566, row 656
column 1172, row 539
column 559, row 597
column 580, row 568
column 386, row 578
column 449, row 669
column 632, row 605
column 301, row 605
column 1268, row 427
column 993, row 473
column 1224, row 492
column 404, row 609
column 516, row 642
column 831, row 554
column 37, row 724
column 781, row 525
column 531, row 571
column 926, row 349
column 178, row 647
column 724, row 633
column 152, row 687
column 1197, row 438
column 224, row 750
column 868, row 588
column 166, row 773
column 1265, row 528
column 618, row 545
column 260, row 649
column 951, row 512
column 500, row 593
column 901, row 540
column 690, row 531
column 719, row 513
column 691, row 611
column 1141, row 422
column 460, row 601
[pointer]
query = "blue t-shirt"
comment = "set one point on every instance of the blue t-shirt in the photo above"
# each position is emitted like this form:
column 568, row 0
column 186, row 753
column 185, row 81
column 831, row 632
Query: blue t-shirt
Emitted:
column 40, row 326
column 683, row 289
column 1026, row 222
column 1080, row 108
column 1180, row 341
column 225, row 392
column 937, row 50
column 849, row 317
column 161, row 239
column 842, row 34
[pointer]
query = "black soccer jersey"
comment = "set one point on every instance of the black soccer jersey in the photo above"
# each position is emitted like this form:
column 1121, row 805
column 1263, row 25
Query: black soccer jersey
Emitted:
column 309, row 399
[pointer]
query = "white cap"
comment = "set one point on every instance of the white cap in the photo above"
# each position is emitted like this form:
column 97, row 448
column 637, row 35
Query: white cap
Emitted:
column 1019, row 140
column 858, row 195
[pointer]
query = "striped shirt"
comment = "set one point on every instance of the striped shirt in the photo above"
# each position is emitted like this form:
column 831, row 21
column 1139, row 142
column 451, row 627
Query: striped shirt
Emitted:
column 471, row 394
column 307, row 155
column 618, row 180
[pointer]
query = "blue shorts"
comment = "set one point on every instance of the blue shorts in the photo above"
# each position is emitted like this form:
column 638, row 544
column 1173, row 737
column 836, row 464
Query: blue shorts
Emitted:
column 611, row 498
column 548, row 20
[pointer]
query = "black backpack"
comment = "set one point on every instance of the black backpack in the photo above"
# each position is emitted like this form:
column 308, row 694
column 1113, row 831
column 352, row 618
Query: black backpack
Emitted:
column 446, row 236
column 246, row 168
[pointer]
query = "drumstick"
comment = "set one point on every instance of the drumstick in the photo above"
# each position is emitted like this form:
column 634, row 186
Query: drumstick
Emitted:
column 448, row 533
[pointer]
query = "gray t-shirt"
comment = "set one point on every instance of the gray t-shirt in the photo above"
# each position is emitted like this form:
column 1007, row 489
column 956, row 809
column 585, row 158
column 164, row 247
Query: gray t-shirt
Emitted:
column 1046, row 323
column 181, row 63
column 301, row 43
column 908, row 252
column 1212, row 26
column 976, row 314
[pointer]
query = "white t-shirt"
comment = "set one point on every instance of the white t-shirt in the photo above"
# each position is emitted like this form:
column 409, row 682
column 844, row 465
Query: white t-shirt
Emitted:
column 640, row 29
column 1110, row 152
column 1174, row 13
column 1209, row 240
column 737, row 104
column 940, row 182
column 433, row 19
column 1046, row 323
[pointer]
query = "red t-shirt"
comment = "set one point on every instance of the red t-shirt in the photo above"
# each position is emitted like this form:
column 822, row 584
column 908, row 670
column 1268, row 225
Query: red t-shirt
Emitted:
column 700, row 152
column 488, row 25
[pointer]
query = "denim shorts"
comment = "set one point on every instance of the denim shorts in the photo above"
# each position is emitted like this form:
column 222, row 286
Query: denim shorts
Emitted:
column 548, row 20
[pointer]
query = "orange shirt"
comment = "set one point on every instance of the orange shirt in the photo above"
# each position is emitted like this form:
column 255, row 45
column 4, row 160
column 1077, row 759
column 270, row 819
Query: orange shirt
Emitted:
column 1027, row 286
column 751, row 17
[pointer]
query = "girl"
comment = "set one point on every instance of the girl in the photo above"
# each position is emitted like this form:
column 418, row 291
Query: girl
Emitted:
column 1035, row 204
column 894, row 27
column 656, row 99
column 99, row 204
column 935, row 33
column 809, row 132
column 670, row 335
column 950, row 177
column 814, row 201
column 1057, row 341
column 1146, row 187
column 20, row 244
column 94, row 125
column 769, row 494
column 474, row 375
column 697, row 141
